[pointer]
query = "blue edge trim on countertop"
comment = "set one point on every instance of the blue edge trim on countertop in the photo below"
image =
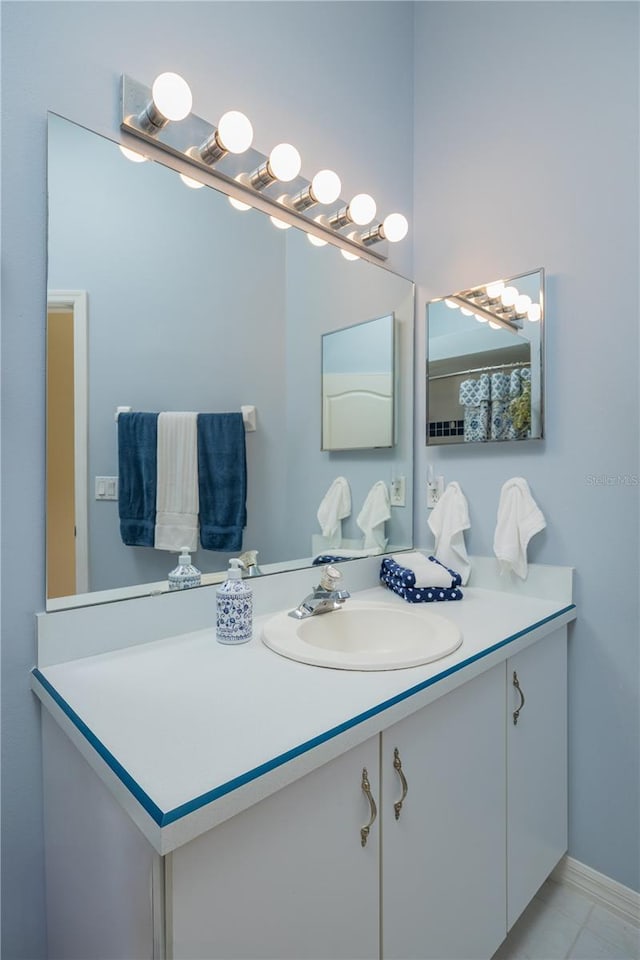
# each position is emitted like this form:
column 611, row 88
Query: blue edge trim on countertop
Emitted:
column 164, row 819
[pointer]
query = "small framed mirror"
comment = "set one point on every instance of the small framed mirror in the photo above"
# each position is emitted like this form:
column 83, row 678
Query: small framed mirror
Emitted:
column 358, row 386
column 485, row 361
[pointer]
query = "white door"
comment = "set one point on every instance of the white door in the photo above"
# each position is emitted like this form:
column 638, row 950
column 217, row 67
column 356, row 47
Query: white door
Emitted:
column 443, row 878
column 537, row 767
column 287, row 878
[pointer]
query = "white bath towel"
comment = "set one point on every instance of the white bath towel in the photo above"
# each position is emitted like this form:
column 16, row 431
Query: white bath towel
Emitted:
column 428, row 573
column 177, row 499
column 334, row 507
column 448, row 521
column 519, row 519
column 376, row 509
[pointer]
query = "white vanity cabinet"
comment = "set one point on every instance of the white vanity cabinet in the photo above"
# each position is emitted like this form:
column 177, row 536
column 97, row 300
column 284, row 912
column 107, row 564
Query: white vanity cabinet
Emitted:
column 443, row 876
column 286, row 879
column 537, row 765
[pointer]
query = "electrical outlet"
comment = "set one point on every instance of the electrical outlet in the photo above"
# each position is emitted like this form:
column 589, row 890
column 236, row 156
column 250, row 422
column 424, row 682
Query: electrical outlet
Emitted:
column 398, row 492
column 435, row 489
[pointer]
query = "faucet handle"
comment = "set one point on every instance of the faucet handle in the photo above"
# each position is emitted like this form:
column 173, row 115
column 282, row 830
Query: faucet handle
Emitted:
column 330, row 578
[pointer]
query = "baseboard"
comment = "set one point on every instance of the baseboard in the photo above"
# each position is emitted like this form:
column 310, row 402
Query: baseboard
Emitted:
column 613, row 895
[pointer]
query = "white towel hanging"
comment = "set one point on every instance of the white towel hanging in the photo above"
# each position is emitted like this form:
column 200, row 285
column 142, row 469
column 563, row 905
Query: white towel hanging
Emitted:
column 334, row 507
column 519, row 519
column 177, row 499
column 376, row 509
column 448, row 521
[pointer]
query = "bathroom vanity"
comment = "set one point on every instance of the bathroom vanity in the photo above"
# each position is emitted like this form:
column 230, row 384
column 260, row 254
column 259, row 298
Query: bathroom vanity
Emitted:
column 220, row 802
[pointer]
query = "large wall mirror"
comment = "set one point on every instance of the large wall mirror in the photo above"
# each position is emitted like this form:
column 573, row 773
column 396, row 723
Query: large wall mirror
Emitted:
column 167, row 298
column 485, row 353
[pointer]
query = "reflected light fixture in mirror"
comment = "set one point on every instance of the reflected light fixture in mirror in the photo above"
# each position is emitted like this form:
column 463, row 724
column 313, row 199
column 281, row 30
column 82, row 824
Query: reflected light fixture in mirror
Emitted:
column 132, row 155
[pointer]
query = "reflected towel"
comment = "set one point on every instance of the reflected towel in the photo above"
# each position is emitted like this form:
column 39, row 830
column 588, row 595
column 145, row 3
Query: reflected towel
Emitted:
column 177, row 496
column 427, row 571
column 137, row 470
column 448, row 521
column 519, row 519
column 376, row 509
column 334, row 507
column 222, row 479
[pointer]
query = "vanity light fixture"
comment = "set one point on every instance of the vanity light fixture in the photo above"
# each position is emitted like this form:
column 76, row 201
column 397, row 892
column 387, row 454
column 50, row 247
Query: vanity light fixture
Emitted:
column 171, row 99
column 234, row 134
column 534, row 312
column 393, row 228
column 494, row 289
column 225, row 155
column 522, row 304
column 324, row 188
column 509, row 296
column 282, row 164
column 360, row 210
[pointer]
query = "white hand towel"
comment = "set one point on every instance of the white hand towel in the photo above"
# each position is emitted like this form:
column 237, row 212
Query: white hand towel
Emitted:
column 448, row 521
column 428, row 573
column 519, row 519
column 177, row 499
column 376, row 509
column 334, row 507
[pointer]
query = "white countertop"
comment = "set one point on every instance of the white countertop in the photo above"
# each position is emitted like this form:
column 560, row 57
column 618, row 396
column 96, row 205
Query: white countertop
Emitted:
column 186, row 731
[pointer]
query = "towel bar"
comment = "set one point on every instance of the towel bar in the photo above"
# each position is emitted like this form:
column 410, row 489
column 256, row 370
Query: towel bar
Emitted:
column 248, row 416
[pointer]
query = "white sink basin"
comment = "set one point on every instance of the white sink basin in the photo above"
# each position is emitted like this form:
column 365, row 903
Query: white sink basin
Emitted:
column 364, row 636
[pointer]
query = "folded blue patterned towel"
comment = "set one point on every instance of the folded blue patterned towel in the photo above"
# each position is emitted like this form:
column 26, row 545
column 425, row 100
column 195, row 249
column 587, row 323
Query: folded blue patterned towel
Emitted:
column 402, row 581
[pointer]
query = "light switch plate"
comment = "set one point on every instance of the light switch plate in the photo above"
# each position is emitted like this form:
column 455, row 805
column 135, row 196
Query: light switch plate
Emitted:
column 398, row 496
column 106, row 488
column 435, row 489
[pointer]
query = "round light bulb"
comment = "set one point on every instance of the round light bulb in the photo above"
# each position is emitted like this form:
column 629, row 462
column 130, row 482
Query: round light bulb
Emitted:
column 509, row 296
column 280, row 224
column 190, row 182
column 534, row 312
column 451, row 305
column 316, row 241
column 494, row 289
column 467, row 313
column 235, row 131
column 326, row 186
column 395, row 227
column 132, row 155
column 523, row 302
column 239, row 204
column 172, row 96
column 362, row 209
column 285, row 162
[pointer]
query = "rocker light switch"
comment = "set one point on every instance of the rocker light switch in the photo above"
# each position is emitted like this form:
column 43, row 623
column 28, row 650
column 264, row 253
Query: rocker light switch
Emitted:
column 106, row 488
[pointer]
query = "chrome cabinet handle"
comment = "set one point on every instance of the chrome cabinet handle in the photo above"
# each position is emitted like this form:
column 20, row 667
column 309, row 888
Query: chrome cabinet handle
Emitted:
column 516, row 684
column 397, row 765
column 366, row 789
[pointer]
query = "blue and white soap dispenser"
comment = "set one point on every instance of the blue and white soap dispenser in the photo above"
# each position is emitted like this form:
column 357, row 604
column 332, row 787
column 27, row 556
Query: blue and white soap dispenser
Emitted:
column 234, row 607
column 185, row 575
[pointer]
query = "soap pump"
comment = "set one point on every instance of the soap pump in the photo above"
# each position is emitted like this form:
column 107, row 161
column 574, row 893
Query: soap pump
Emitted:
column 185, row 575
column 234, row 607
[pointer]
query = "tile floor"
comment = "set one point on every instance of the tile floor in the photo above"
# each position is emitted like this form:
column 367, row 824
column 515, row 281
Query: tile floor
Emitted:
column 561, row 922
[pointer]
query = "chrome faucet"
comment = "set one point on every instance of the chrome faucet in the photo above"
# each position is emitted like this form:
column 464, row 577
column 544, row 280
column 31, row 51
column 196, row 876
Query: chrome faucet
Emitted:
column 325, row 598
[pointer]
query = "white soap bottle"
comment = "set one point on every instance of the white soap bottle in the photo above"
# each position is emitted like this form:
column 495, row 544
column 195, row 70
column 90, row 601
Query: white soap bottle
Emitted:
column 234, row 607
column 185, row 575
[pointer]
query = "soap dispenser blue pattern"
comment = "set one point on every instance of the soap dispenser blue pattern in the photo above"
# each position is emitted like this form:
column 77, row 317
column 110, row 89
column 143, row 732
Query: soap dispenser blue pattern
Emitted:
column 234, row 607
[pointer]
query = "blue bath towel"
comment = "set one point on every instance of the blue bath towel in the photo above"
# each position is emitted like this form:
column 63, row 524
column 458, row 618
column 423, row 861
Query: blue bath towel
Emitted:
column 222, row 480
column 137, row 468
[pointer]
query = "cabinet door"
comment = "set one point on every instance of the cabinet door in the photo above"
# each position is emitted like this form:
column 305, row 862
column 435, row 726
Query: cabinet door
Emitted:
column 443, row 873
column 537, row 768
column 287, row 878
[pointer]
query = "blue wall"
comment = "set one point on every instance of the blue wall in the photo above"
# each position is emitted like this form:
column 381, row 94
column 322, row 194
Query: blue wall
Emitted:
column 526, row 154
